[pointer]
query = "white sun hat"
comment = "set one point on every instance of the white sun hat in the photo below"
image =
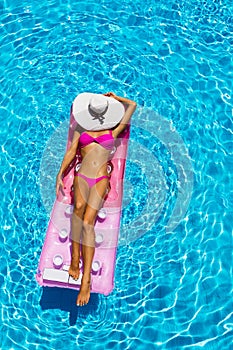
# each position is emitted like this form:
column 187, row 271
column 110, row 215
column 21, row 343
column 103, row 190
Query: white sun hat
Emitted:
column 96, row 111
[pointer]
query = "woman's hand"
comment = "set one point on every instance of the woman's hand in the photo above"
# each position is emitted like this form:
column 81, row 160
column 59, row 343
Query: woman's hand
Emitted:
column 122, row 100
column 59, row 183
column 110, row 94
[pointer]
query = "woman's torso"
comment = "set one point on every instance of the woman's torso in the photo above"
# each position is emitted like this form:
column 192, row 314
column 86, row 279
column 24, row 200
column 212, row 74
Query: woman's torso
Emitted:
column 95, row 148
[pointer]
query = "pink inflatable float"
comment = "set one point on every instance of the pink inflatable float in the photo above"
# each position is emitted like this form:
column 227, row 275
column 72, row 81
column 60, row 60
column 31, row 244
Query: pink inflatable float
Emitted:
column 56, row 252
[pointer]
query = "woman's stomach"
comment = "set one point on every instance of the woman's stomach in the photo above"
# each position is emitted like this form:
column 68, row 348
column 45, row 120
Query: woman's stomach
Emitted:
column 94, row 163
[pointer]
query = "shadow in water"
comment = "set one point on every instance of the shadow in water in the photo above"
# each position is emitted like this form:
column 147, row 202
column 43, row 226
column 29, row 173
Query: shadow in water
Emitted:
column 65, row 299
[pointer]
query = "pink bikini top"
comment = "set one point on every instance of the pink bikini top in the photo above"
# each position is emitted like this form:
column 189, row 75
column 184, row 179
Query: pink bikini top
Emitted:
column 105, row 140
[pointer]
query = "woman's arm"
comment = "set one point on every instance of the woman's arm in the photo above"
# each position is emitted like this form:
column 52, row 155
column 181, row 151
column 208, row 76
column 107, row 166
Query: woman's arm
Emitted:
column 68, row 157
column 128, row 113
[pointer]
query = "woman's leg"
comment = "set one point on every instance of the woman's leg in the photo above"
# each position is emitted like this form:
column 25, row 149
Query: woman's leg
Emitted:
column 81, row 191
column 95, row 201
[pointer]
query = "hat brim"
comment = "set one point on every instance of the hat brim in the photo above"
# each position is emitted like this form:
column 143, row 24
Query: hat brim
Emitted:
column 81, row 114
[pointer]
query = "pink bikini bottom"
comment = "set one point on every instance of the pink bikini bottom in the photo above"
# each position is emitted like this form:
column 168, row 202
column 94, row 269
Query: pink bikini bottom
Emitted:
column 91, row 181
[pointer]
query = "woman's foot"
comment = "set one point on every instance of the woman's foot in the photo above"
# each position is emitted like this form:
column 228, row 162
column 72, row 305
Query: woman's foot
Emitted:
column 74, row 270
column 85, row 291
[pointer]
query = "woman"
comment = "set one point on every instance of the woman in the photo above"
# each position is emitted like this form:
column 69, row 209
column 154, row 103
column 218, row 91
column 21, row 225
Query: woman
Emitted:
column 91, row 183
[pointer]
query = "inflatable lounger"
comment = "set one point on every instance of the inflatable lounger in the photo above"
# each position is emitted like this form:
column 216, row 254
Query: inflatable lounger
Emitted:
column 56, row 252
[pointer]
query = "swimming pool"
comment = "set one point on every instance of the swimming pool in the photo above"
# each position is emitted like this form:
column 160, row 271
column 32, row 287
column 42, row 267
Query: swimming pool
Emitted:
column 173, row 277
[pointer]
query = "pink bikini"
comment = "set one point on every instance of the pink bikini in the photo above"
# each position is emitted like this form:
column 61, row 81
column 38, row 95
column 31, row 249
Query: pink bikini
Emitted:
column 107, row 141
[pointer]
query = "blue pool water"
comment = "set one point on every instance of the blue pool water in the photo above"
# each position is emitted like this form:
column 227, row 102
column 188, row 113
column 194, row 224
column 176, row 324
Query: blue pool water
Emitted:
column 173, row 278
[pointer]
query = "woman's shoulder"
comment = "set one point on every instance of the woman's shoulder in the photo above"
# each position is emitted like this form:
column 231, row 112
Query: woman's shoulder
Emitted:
column 79, row 129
